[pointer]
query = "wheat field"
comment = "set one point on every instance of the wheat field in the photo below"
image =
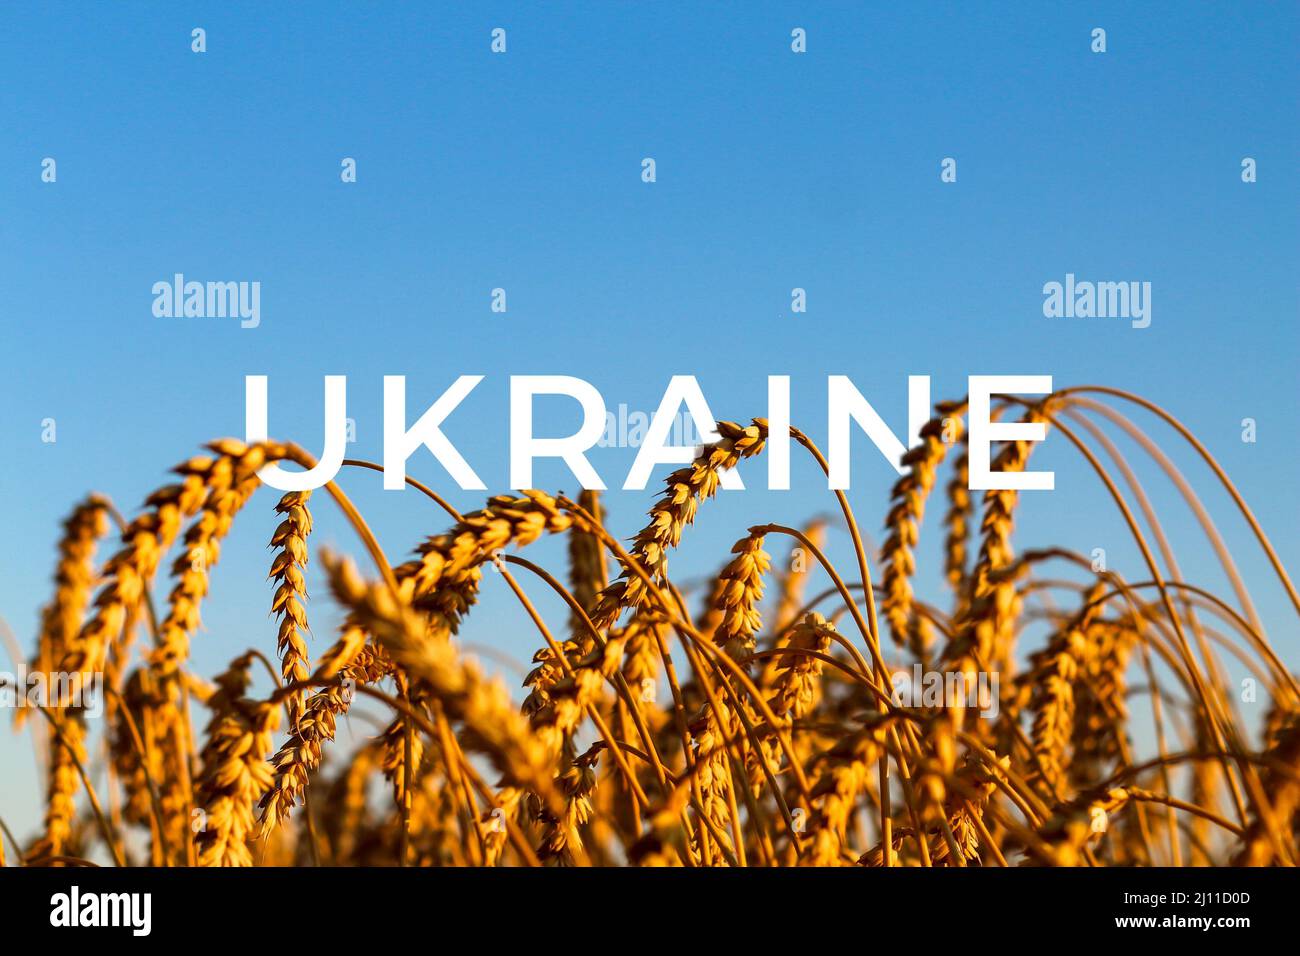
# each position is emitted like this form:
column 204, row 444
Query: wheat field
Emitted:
column 751, row 721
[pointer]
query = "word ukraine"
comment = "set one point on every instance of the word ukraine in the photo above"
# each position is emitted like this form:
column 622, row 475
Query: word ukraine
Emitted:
column 845, row 405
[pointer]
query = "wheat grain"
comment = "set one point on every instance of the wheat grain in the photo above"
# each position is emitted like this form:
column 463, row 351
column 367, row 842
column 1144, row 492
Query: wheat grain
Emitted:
column 904, row 522
column 60, row 633
column 777, row 768
column 291, row 591
column 233, row 769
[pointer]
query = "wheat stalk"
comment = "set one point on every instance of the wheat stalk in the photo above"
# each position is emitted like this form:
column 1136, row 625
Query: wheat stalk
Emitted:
column 291, row 591
column 774, row 746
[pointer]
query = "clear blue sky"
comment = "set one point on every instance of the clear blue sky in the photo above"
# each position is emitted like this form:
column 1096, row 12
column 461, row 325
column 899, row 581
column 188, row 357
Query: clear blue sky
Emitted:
column 522, row 171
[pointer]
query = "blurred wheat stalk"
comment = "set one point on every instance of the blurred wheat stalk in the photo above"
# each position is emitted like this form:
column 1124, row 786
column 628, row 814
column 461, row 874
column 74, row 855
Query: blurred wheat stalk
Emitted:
column 779, row 741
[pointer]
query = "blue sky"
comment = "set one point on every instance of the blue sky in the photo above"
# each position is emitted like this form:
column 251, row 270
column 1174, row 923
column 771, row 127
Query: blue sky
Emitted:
column 522, row 171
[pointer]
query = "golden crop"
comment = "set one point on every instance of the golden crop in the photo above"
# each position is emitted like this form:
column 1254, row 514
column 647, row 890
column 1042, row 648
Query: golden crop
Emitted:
column 780, row 739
